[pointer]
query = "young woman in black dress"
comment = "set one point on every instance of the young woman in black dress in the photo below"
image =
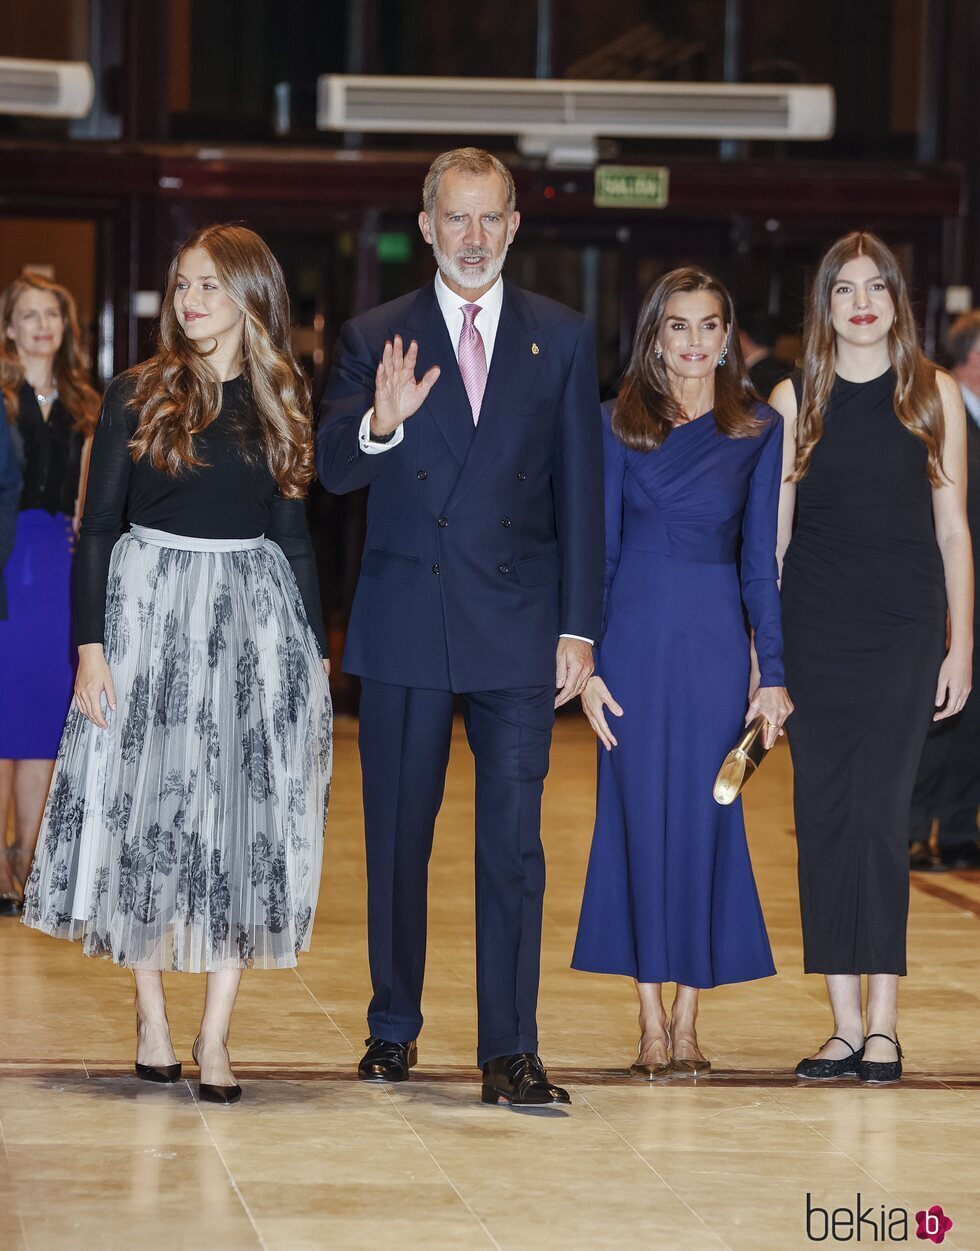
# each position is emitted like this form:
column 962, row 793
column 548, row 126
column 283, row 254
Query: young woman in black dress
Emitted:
column 878, row 561
column 184, row 826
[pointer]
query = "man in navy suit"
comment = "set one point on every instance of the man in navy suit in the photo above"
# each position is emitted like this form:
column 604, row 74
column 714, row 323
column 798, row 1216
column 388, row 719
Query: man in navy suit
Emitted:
column 482, row 577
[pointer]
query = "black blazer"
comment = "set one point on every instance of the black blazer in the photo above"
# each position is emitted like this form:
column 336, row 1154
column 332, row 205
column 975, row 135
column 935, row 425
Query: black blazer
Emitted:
column 482, row 545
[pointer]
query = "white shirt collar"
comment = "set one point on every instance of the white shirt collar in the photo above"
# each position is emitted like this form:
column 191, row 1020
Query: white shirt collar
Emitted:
column 451, row 304
column 972, row 402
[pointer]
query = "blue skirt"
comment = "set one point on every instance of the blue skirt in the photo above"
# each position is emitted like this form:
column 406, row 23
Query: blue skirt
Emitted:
column 37, row 662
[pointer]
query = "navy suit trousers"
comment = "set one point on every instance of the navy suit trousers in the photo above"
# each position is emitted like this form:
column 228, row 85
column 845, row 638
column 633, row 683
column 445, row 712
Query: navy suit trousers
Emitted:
column 404, row 741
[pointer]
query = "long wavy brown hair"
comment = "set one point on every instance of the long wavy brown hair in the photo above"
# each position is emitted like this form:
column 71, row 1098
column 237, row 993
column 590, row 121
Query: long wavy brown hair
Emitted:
column 917, row 402
column 71, row 371
column 178, row 393
column 646, row 410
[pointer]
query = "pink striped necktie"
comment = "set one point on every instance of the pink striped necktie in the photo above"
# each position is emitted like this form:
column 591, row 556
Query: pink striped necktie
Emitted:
column 472, row 359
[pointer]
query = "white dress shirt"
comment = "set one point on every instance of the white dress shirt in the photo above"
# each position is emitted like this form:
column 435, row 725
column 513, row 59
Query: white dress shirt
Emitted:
column 971, row 403
column 451, row 306
column 487, row 320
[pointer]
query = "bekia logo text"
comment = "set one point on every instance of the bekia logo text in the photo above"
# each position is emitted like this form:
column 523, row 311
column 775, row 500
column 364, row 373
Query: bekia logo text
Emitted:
column 866, row 1223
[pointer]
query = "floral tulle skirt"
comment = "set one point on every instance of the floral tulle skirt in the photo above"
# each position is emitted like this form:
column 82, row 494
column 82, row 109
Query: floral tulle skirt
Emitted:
column 189, row 834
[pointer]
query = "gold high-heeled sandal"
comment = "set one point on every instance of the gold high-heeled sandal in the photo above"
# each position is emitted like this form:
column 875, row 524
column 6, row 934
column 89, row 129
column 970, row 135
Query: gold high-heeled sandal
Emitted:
column 690, row 1068
column 651, row 1071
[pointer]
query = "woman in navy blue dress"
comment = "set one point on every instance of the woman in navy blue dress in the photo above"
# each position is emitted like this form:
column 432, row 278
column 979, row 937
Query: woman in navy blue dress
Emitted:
column 51, row 409
column 692, row 472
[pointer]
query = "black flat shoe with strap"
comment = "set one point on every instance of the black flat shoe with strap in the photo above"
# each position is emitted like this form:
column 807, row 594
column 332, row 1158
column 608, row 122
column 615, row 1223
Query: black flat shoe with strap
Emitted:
column 878, row 1072
column 827, row 1070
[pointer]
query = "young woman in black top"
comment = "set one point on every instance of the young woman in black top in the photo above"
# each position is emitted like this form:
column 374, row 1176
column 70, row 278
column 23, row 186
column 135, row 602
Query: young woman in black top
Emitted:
column 51, row 409
column 184, row 828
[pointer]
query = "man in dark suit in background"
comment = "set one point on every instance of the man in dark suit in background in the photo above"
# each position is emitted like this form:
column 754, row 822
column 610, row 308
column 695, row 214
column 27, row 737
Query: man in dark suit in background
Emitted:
column 948, row 782
column 757, row 332
column 481, row 576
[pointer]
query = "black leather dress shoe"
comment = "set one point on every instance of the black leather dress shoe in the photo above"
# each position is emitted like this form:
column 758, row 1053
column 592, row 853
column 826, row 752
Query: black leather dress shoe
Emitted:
column 521, row 1081
column 826, row 1070
column 387, row 1061
column 964, row 855
column 878, row 1072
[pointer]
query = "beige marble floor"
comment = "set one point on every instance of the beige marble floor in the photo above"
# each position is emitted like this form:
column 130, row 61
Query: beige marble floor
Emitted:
column 90, row 1158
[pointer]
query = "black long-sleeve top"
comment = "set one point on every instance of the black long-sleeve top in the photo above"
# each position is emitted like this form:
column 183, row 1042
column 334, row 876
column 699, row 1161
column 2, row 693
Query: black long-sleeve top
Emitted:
column 52, row 455
column 233, row 496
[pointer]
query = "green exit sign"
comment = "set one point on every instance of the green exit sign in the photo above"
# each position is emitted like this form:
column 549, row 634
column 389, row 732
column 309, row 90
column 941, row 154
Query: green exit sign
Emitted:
column 630, row 186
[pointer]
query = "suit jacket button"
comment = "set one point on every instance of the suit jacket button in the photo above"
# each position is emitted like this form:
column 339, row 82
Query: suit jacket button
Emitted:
column 435, row 568
column 503, row 568
column 505, row 521
column 521, row 476
column 444, row 521
column 421, row 475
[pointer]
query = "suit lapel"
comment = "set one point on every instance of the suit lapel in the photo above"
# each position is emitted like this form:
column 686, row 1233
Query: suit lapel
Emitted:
column 513, row 370
column 447, row 404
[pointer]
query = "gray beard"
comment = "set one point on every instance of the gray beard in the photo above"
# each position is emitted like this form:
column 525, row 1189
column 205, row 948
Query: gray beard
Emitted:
column 469, row 279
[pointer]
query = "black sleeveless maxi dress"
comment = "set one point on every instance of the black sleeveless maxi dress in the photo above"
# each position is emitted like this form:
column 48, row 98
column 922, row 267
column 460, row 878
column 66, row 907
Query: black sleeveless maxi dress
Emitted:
column 864, row 616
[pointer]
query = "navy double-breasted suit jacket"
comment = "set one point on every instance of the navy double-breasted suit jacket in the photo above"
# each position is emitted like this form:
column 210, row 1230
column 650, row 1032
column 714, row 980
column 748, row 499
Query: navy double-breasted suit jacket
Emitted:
column 483, row 545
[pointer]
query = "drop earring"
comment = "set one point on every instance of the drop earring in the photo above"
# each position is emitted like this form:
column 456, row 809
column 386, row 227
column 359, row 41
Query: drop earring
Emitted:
column 723, row 357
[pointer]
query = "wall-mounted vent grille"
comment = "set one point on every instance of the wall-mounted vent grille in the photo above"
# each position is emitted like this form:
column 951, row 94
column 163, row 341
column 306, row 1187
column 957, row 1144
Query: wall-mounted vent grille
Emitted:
column 45, row 88
column 563, row 109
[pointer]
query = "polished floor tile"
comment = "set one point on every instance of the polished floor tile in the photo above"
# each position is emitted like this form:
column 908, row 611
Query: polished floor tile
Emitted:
column 311, row 1158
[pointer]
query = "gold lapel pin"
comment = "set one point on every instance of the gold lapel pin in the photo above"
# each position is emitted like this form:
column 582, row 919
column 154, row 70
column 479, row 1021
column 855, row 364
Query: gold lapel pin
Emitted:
column 535, row 349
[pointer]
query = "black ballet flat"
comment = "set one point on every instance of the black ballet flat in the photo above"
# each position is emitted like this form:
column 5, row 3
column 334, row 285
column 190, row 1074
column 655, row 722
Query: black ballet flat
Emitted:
column 208, row 1093
column 162, row 1074
column 827, row 1070
column 878, row 1072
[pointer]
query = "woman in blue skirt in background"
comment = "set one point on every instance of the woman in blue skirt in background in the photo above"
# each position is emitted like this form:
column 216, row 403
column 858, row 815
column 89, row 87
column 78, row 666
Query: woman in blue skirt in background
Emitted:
column 52, row 410
column 692, row 470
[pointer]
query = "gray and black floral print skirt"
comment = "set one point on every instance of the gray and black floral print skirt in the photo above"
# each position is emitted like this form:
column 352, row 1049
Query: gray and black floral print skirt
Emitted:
column 189, row 834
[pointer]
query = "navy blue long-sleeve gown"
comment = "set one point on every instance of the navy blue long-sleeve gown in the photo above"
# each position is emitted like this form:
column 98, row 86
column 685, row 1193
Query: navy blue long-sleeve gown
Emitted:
column 690, row 554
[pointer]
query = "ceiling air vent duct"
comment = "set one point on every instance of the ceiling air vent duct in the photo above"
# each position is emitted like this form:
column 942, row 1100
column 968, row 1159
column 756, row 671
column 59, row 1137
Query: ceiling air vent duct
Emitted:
column 45, row 88
column 558, row 117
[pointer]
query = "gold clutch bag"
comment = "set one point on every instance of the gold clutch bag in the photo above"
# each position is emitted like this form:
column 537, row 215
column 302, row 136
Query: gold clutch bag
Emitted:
column 741, row 762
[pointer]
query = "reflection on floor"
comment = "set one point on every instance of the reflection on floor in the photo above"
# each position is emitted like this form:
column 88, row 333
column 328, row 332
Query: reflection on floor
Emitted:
column 312, row 1159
